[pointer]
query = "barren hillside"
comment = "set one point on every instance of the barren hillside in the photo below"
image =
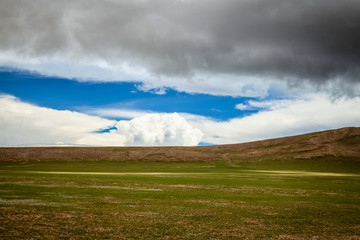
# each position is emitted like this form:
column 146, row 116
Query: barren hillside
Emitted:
column 344, row 142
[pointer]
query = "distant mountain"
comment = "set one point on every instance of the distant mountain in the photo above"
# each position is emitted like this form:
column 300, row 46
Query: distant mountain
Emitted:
column 344, row 142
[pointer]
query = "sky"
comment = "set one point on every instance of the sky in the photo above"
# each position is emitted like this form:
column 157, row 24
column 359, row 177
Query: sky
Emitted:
column 176, row 72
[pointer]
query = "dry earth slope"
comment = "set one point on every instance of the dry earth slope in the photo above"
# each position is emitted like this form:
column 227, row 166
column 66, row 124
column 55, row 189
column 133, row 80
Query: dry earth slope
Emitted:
column 344, row 142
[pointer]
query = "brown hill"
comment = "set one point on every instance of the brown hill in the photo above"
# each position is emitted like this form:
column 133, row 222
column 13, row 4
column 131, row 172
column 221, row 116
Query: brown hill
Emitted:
column 344, row 142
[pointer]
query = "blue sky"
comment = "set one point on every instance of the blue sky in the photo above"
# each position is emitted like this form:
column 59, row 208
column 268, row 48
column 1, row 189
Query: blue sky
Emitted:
column 174, row 73
column 64, row 94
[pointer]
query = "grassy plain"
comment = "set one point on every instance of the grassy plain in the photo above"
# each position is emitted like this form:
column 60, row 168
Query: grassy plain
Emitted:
column 303, row 199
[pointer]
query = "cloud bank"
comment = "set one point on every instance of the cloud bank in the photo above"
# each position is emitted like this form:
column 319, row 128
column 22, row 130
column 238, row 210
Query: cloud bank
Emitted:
column 270, row 119
column 24, row 124
column 190, row 46
column 279, row 118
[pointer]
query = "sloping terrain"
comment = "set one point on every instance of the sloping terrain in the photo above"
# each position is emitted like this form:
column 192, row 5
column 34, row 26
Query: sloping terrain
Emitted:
column 344, row 142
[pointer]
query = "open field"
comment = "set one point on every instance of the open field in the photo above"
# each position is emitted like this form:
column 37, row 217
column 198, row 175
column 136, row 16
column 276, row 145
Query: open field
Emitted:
column 299, row 199
column 300, row 187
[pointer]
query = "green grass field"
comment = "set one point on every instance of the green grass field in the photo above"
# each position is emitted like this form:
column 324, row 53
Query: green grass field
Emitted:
column 180, row 200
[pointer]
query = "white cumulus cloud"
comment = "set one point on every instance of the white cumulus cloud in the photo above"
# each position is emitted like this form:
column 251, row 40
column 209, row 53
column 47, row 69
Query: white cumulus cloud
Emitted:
column 159, row 129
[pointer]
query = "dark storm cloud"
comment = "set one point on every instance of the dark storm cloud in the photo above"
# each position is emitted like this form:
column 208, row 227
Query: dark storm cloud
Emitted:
column 316, row 41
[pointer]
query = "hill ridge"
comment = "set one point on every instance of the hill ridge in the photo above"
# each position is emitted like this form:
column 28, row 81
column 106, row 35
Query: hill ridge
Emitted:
column 343, row 142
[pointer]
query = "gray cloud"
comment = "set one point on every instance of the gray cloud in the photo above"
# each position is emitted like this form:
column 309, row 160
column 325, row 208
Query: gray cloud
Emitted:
column 308, row 41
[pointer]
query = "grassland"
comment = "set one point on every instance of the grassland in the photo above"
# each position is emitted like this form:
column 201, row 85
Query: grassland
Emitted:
column 297, row 199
